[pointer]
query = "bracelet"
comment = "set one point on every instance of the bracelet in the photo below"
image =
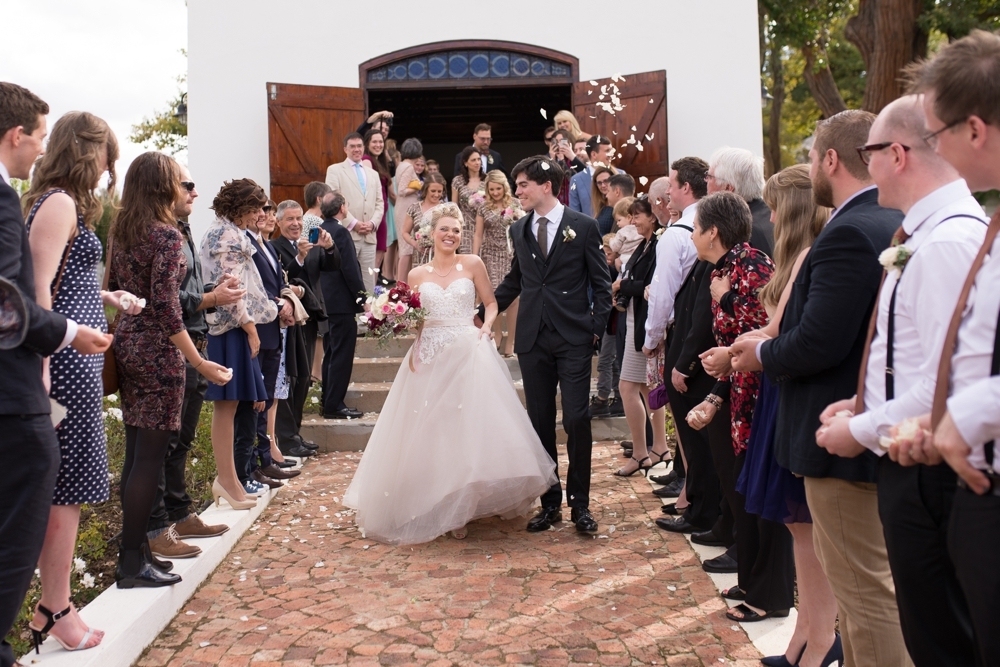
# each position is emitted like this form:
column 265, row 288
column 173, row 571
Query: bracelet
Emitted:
column 714, row 400
column 200, row 363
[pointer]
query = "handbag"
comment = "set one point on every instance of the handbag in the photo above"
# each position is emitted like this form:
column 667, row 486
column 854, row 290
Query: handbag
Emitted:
column 109, row 373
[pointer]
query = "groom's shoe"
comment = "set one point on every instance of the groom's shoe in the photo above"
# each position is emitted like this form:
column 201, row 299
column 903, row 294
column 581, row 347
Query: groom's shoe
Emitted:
column 544, row 519
column 585, row 522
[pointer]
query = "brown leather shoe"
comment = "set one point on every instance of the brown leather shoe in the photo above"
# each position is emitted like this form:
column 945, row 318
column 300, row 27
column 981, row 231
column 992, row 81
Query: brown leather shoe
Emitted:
column 193, row 527
column 264, row 479
column 167, row 545
column 274, row 472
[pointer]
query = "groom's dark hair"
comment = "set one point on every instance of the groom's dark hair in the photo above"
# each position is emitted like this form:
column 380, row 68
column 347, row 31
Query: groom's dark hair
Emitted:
column 534, row 171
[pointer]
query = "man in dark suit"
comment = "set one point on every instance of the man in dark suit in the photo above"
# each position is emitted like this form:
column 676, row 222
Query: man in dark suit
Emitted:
column 343, row 292
column 273, row 278
column 482, row 137
column 29, row 446
column 815, row 361
column 557, row 257
column 740, row 171
column 302, row 261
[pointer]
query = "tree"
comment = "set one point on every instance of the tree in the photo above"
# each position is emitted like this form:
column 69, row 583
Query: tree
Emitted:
column 165, row 131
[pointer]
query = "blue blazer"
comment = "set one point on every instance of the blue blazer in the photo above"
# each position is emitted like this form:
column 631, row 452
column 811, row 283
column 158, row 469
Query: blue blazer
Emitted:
column 579, row 193
column 274, row 281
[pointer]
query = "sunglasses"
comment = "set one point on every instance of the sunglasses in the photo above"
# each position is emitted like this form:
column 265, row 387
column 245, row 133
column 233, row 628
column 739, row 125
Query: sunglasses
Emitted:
column 187, row 185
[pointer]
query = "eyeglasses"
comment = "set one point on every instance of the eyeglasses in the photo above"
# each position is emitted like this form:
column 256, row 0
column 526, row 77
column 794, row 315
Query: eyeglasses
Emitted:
column 932, row 138
column 865, row 152
column 709, row 176
column 266, row 208
column 187, row 185
column 604, row 183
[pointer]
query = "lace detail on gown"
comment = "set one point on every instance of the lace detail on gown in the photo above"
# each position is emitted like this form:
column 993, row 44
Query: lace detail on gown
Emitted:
column 445, row 306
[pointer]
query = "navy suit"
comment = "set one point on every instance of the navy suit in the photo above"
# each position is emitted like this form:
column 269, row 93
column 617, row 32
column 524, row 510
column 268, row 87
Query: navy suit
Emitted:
column 29, row 447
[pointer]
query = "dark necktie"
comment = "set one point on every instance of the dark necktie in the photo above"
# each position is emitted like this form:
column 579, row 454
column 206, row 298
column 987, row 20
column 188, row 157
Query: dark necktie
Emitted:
column 543, row 236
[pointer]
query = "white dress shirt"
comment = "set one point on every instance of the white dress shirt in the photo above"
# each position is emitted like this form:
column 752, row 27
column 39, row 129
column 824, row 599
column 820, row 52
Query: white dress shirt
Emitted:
column 975, row 401
column 675, row 255
column 554, row 217
column 943, row 252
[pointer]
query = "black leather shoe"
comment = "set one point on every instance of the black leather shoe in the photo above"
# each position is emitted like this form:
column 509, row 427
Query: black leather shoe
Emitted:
column 148, row 576
column 284, row 464
column 664, row 479
column 275, row 472
column 298, row 452
column 260, row 477
column 584, row 520
column 309, row 444
column 672, row 510
column 544, row 519
column 678, row 525
column 723, row 564
column 672, row 490
column 345, row 413
column 708, row 539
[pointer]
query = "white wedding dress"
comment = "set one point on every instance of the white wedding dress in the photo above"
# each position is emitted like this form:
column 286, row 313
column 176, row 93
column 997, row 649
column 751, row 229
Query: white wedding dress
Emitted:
column 453, row 442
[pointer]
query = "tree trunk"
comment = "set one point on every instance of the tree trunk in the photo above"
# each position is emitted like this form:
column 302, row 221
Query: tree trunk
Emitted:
column 821, row 82
column 773, row 162
column 887, row 34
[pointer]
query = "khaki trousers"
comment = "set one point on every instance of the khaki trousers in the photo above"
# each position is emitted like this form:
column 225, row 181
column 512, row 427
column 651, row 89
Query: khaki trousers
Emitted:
column 850, row 545
column 366, row 258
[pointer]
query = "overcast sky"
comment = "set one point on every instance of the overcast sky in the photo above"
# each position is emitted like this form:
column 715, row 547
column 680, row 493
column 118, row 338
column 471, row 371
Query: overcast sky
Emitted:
column 118, row 59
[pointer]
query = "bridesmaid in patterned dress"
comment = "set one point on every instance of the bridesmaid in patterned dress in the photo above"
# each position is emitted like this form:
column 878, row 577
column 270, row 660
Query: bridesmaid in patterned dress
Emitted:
column 463, row 187
column 150, row 349
column 495, row 217
column 431, row 195
column 62, row 211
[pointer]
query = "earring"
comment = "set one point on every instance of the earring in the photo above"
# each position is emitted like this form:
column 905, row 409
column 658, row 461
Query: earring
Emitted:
column 711, row 244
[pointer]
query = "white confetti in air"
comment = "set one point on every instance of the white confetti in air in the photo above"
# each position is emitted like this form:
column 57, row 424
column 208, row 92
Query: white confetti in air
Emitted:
column 459, row 266
column 614, row 132
column 544, row 115
column 638, row 147
column 545, row 166
column 642, row 181
column 651, row 100
column 593, row 83
column 649, row 137
column 590, row 92
column 633, row 129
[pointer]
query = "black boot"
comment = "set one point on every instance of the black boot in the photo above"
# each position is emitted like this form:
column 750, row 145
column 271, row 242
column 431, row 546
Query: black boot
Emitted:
column 135, row 569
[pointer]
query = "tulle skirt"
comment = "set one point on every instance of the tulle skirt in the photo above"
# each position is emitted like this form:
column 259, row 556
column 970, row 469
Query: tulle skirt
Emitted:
column 452, row 444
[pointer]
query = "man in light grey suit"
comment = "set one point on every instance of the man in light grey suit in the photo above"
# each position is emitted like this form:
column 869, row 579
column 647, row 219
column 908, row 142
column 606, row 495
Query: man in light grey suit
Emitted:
column 360, row 186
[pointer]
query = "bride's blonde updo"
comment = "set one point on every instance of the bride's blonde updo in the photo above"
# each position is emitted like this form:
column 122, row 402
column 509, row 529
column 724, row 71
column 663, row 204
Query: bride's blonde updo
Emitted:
column 446, row 210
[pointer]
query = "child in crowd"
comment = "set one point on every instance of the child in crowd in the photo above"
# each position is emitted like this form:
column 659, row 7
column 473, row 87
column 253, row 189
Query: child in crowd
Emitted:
column 608, row 363
column 627, row 239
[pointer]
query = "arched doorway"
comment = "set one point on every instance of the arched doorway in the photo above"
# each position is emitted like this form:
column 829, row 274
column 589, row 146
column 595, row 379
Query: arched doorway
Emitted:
column 440, row 91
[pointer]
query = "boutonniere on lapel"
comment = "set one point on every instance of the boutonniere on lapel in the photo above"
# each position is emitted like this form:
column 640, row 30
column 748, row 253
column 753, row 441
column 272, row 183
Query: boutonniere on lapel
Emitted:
column 895, row 257
column 568, row 234
column 658, row 233
column 489, row 160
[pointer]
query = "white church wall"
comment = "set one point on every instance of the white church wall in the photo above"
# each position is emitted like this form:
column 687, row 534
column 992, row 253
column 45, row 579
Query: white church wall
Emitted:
column 709, row 50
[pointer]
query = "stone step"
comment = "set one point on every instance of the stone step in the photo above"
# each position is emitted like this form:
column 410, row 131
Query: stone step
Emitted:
column 395, row 347
column 371, row 396
column 340, row 435
column 383, row 369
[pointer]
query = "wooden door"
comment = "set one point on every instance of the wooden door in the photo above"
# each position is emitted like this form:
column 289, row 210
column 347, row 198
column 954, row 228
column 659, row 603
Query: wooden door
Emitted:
column 643, row 105
column 306, row 126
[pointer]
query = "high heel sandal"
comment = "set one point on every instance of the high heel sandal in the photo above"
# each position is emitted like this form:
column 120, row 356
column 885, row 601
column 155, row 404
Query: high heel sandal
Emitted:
column 643, row 469
column 659, row 458
column 36, row 634
column 219, row 492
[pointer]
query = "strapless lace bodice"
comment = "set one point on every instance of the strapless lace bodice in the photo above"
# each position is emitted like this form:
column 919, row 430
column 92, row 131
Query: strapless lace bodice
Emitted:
column 449, row 313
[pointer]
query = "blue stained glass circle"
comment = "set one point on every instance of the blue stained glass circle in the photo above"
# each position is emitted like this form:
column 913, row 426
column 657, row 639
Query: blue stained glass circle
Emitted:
column 458, row 65
column 539, row 68
column 500, row 64
column 437, row 67
column 398, row 72
column 417, row 69
column 520, row 66
column 479, row 65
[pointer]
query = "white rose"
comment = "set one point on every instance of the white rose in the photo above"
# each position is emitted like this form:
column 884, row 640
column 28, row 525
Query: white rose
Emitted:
column 888, row 259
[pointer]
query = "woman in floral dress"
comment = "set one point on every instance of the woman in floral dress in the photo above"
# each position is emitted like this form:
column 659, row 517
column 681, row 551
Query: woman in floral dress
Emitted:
column 465, row 191
column 431, row 195
column 491, row 243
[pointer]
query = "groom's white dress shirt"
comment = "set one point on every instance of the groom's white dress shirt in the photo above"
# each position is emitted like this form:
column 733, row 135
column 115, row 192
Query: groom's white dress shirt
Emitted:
column 554, row 217
column 943, row 251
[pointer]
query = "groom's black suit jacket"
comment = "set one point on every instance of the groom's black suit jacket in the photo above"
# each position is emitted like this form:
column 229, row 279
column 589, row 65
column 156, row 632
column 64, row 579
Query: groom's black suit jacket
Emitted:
column 554, row 289
column 815, row 359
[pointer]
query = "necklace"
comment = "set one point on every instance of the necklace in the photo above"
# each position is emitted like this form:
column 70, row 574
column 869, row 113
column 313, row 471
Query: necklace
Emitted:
column 431, row 268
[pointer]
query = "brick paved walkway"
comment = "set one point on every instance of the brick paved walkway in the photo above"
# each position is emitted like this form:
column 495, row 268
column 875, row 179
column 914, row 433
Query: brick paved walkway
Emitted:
column 303, row 588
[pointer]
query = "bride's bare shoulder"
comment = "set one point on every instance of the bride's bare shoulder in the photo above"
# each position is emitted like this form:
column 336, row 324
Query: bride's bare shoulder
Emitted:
column 416, row 276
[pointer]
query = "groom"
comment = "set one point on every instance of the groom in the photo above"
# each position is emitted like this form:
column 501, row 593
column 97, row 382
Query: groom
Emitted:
column 557, row 257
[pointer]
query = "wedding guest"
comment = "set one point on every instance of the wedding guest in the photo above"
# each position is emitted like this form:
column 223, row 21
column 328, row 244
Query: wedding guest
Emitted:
column 772, row 492
column 420, row 167
column 466, row 192
column 601, row 210
column 496, row 215
column 962, row 121
column 303, row 262
column 432, row 167
column 580, row 150
column 605, row 404
column 740, row 171
column 24, row 402
column 565, row 120
column 378, row 159
column 313, row 193
column 62, row 210
column 408, row 187
column 620, row 185
column 942, row 232
column 172, row 519
column 431, row 194
column 561, row 152
column 360, row 185
column 233, row 340
column 633, row 387
column 547, row 136
column 599, row 153
column 482, row 138
column 343, row 290
column 815, row 360
column 150, row 348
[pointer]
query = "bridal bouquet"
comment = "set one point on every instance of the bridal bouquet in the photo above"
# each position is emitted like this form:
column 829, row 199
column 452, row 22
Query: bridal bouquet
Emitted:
column 477, row 199
column 391, row 311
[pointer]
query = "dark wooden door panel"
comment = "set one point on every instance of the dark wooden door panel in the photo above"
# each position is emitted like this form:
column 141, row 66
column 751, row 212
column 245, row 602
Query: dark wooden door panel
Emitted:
column 306, row 126
column 643, row 101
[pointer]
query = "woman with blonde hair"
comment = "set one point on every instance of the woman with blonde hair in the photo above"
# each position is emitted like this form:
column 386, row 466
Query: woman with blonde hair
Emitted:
column 565, row 120
column 62, row 209
column 495, row 216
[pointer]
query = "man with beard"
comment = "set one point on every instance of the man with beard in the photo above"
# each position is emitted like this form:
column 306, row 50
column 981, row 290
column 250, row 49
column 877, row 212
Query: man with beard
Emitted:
column 814, row 361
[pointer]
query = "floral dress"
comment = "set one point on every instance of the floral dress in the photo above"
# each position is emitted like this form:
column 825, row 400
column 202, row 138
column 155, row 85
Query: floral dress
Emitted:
column 425, row 250
column 739, row 311
column 151, row 369
column 467, row 204
column 495, row 249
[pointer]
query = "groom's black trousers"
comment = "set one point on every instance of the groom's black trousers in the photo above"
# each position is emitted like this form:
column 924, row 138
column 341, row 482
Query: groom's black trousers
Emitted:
column 552, row 361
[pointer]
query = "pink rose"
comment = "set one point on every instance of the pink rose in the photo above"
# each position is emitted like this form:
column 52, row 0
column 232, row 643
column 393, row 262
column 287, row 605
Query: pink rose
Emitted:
column 400, row 308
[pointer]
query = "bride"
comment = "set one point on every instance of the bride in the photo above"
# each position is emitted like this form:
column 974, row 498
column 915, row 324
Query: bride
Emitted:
column 453, row 442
